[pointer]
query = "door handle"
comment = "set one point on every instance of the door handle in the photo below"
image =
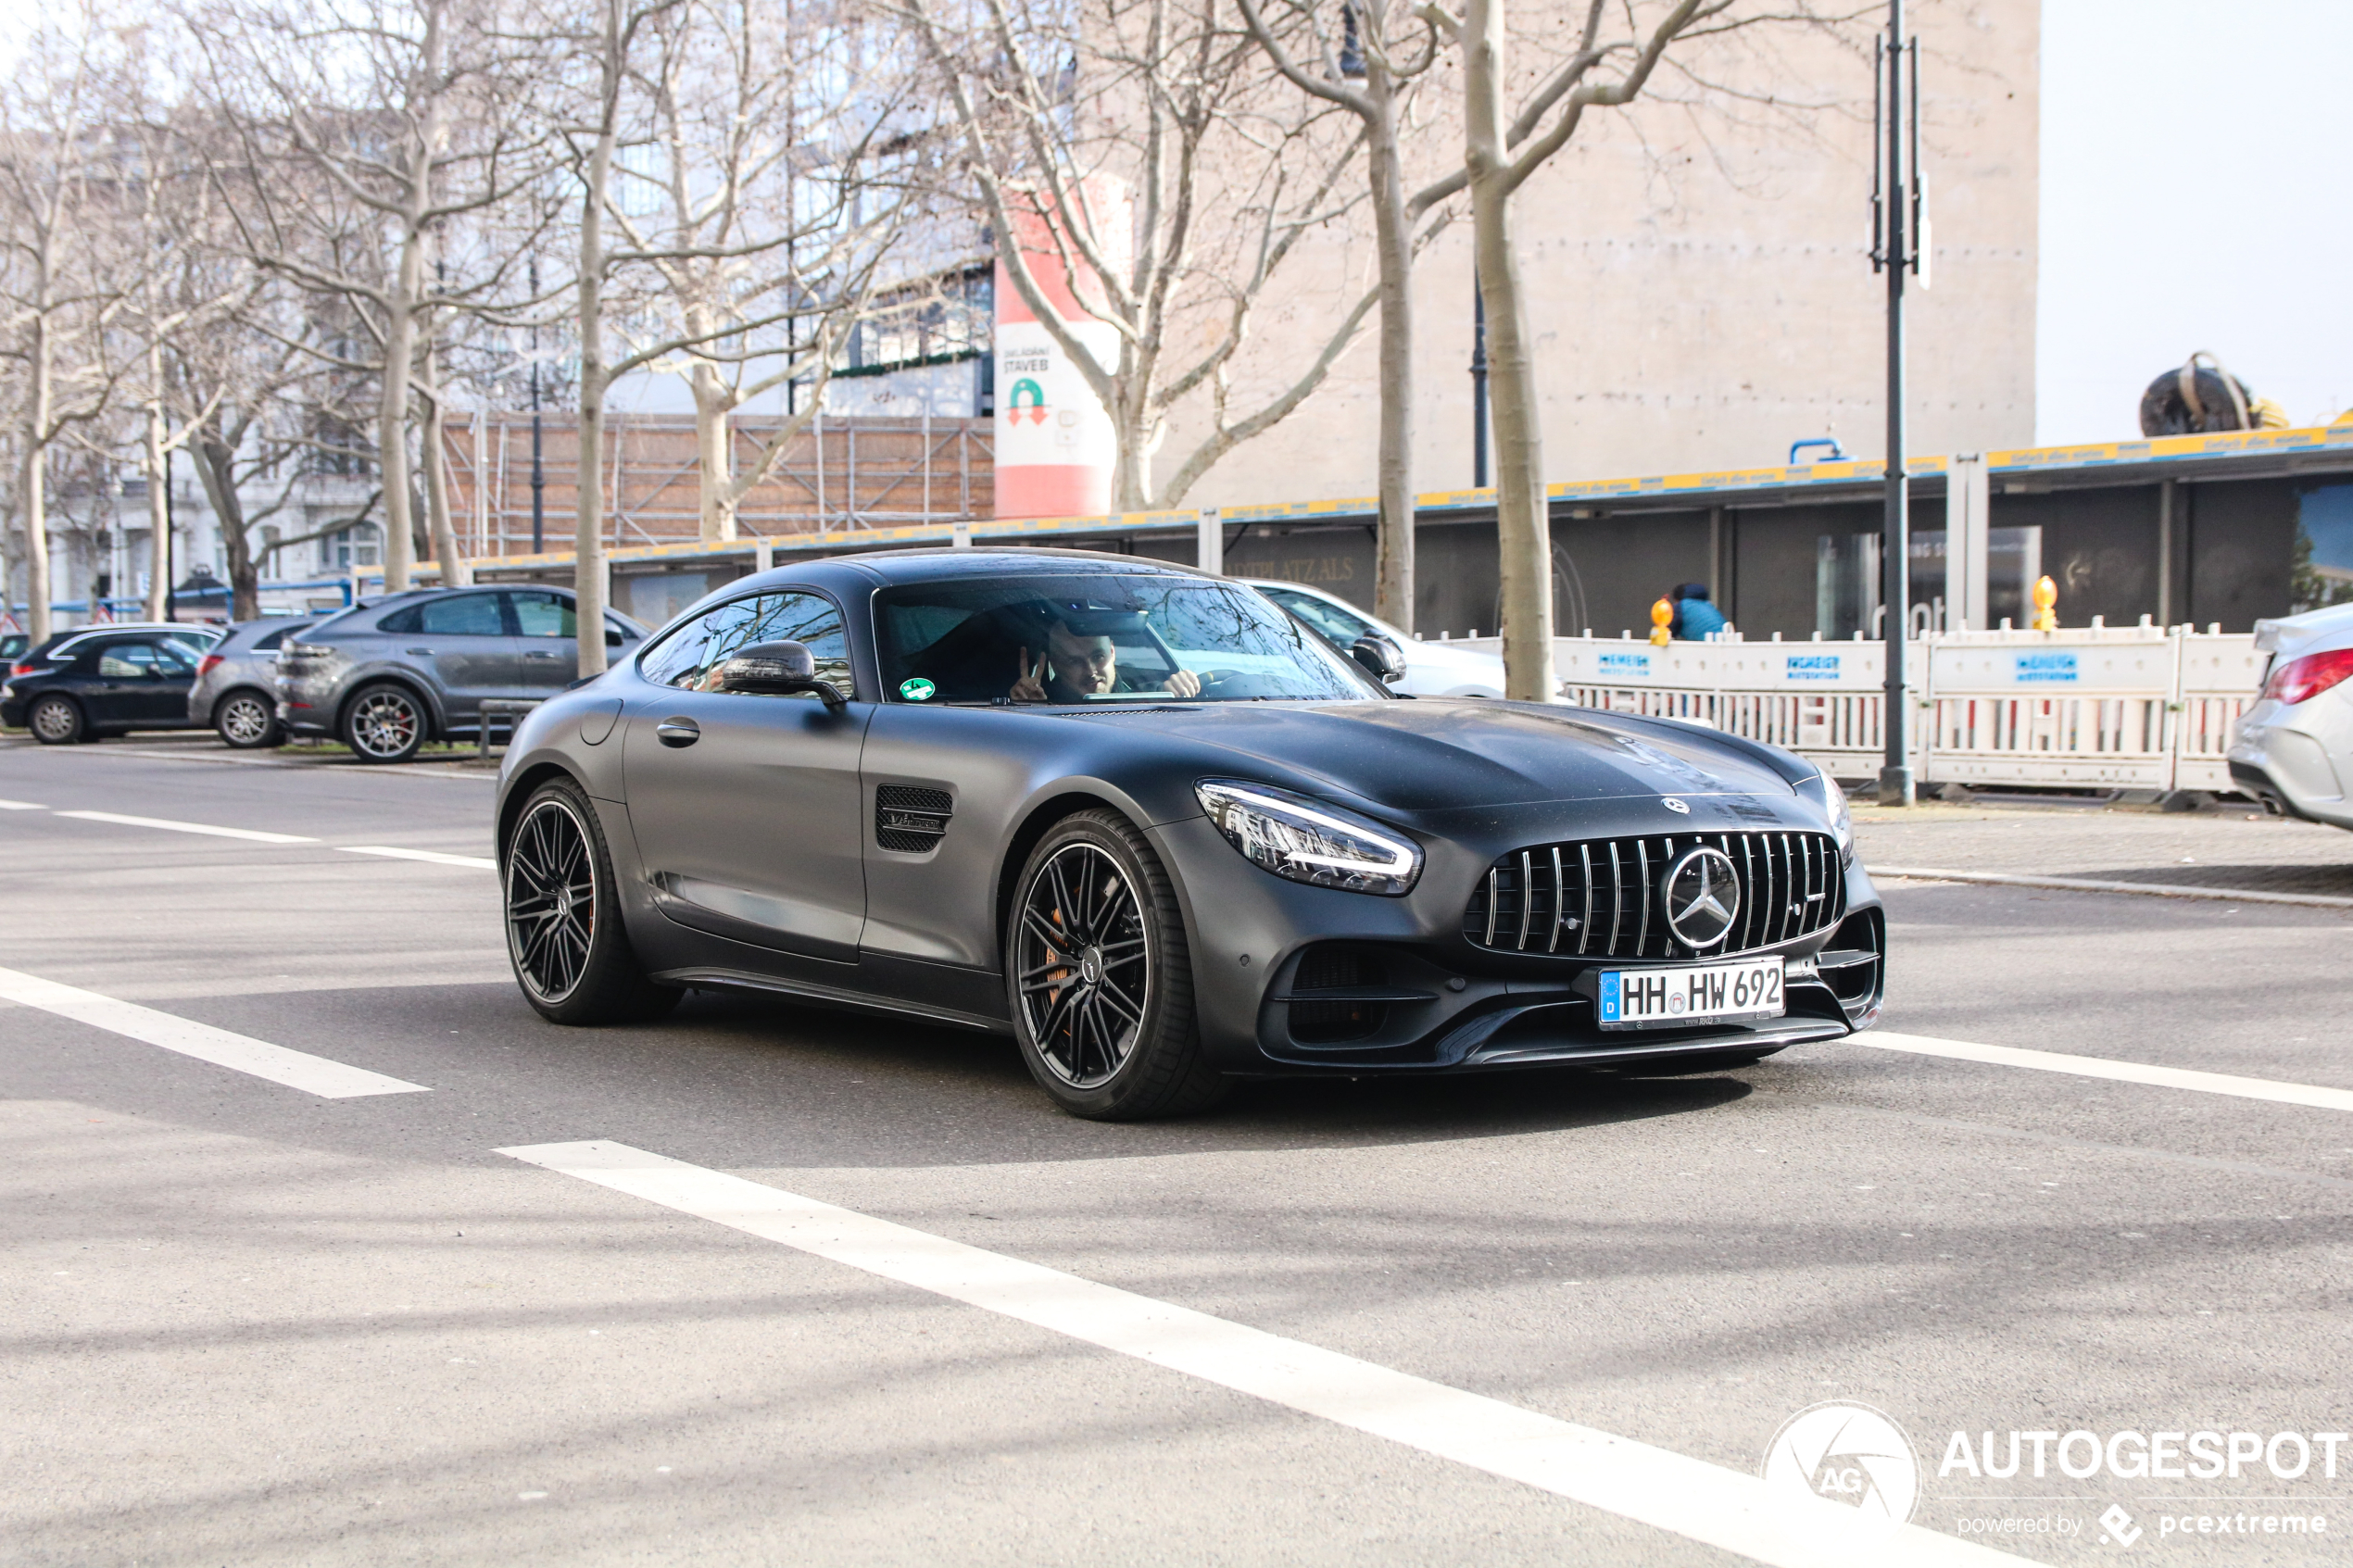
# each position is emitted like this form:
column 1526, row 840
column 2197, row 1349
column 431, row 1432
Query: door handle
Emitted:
column 543, row 656
column 678, row 732
column 417, row 650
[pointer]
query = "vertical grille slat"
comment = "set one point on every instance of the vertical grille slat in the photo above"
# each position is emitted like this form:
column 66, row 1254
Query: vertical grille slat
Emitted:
column 1585, row 932
column 1527, row 898
column 1560, row 903
column 1790, row 886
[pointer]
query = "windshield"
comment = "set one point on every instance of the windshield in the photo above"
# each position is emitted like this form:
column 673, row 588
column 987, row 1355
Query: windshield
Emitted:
column 1101, row 637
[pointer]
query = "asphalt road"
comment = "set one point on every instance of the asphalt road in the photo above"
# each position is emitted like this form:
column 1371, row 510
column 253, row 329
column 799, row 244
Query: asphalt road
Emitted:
column 244, row 1324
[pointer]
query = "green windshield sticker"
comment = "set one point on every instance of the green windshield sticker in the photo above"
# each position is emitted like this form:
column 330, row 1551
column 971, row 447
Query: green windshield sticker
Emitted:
column 916, row 690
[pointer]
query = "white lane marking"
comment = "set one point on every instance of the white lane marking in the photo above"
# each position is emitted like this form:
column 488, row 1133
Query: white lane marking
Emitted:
column 295, row 1070
column 254, row 835
column 2122, row 1071
column 431, row 856
column 20, row 806
column 1706, row 1502
column 2096, row 884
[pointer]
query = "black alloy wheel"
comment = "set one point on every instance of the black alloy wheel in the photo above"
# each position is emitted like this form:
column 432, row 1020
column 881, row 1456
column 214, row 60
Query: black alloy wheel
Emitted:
column 565, row 937
column 246, row 720
column 1100, row 977
column 384, row 724
column 56, row 721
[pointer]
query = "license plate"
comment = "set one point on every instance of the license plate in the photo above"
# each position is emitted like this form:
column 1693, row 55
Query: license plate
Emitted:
column 1652, row 998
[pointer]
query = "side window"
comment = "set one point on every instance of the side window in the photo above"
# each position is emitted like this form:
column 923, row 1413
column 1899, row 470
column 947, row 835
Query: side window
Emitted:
column 687, row 656
column 125, row 660
column 461, row 615
column 542, row 614
column 409, row 618
column 269, row 640
column 1332, row 620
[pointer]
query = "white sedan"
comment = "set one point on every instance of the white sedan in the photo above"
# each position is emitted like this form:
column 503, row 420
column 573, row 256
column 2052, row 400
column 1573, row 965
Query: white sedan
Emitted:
column 2295, row 747
column 1431, row 668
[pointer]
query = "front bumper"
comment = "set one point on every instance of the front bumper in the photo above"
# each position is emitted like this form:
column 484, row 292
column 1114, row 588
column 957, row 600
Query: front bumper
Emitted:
column 1430, row 1001
column 2298, row 759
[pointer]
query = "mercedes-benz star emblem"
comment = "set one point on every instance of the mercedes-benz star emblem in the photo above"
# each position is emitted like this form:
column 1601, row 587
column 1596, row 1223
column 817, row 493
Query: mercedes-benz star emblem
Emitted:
column 1674, row 805
column 1701, row 891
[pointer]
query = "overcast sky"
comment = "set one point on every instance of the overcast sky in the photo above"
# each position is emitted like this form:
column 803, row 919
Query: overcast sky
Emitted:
column 2193, row 197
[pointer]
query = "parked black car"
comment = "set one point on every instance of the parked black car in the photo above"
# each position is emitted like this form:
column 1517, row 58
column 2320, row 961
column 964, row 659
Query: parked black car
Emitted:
column 1163, row 835
column 101, row 683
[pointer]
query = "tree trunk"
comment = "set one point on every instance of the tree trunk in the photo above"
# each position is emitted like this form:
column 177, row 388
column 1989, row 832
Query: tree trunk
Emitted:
column 1522, row 521
column 588, row 544
column 158, row 519
column 454, row 573
column 1393, row 236
column 34, row 487
column 392, row 412
column 714, row 469
column 216, row 471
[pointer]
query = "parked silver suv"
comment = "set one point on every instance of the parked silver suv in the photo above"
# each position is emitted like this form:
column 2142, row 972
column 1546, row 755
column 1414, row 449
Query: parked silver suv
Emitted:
column 235, row 692
column 387, row 677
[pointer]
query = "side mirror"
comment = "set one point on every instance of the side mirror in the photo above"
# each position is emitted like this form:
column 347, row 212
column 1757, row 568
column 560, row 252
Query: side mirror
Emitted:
column 612, row 636
column 777, row 669
column 1382, row 658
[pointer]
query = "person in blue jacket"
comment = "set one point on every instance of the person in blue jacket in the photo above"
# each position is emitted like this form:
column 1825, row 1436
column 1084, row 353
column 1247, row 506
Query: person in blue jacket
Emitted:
column 1695, row 617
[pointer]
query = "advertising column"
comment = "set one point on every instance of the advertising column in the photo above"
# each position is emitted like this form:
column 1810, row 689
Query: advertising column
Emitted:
column 1055, row 449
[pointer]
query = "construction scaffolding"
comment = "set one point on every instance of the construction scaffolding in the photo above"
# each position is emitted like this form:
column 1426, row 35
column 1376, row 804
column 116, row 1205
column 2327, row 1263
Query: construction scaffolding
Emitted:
column 837, row 476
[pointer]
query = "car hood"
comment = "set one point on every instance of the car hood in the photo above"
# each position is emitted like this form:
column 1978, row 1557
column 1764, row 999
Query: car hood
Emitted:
column 1445, row 754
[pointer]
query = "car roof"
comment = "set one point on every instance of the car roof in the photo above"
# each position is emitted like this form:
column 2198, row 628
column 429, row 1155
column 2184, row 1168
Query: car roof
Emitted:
column 1000, row 560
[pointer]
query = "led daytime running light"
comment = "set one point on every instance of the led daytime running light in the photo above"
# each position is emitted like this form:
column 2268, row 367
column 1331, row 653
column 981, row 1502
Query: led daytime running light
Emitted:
column 1307, row 841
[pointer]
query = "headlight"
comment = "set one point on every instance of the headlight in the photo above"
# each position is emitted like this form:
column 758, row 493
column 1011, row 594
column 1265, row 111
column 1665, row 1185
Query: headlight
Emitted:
column 1842, row 820
column 1308, row 841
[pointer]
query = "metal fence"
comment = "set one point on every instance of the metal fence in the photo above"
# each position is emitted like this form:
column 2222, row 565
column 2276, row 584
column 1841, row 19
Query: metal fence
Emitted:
column 2128, row 706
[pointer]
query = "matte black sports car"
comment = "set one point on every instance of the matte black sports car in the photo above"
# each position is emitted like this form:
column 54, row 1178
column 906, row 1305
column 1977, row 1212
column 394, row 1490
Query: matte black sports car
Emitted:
column 1145, row 822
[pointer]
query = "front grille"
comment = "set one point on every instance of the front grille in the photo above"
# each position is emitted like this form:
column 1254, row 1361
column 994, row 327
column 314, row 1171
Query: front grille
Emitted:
column 1602, row 899
column 911, row 820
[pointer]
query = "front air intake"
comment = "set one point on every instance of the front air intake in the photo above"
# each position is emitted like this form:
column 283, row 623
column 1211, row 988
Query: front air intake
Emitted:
column 1606, row 898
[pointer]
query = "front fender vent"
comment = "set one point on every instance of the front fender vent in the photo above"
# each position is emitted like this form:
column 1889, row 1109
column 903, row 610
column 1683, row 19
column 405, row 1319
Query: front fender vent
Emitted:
column 1602, row 899
column 911, row 820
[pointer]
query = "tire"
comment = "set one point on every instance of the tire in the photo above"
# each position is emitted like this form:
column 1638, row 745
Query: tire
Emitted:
column 384, row 722
column 58, row 720
column 1099, row 978
column 246, row 720
column 573, row 968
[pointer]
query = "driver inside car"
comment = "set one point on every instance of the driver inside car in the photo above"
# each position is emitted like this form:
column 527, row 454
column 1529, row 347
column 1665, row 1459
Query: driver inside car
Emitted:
column 1076, row 664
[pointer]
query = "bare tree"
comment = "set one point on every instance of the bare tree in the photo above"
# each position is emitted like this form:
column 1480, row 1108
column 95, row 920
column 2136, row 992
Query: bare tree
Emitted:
column 1369, row 69
column 376, row 130
column 61, row 169
column 778, row 176
column 1618, row 47
column 1071, row 113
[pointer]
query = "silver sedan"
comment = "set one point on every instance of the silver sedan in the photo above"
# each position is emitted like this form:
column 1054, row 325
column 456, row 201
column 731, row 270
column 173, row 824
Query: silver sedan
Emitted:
column 2294, row 748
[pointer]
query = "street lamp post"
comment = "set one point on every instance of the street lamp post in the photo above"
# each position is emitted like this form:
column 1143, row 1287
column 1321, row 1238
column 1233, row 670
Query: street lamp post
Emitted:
column 1479, row 386
column 1897, row 247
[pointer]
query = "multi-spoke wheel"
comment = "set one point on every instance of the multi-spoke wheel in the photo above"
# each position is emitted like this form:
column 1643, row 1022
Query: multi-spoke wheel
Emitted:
column 246, row 720
column 1100, row 980
column 384, row 724
column 564, row 934
column 56, row 721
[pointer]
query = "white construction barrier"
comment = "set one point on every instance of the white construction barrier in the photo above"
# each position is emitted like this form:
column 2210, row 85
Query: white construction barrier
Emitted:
column 2124, row 707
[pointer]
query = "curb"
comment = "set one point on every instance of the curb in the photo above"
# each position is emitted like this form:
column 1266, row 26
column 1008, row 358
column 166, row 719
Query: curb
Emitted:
column 2093, row 885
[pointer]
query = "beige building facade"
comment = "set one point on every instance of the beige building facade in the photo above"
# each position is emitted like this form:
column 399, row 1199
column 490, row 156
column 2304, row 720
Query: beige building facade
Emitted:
column 1699, row 284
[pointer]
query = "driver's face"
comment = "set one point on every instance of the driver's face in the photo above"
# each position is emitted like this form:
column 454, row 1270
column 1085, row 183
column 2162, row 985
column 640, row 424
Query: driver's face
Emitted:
column 1084, row 664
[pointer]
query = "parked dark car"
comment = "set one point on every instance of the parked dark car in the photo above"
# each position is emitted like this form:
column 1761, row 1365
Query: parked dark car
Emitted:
column 386, row 677
column 198, row 635
column 1164, row 835
column 99, row 684
column 235, row 694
